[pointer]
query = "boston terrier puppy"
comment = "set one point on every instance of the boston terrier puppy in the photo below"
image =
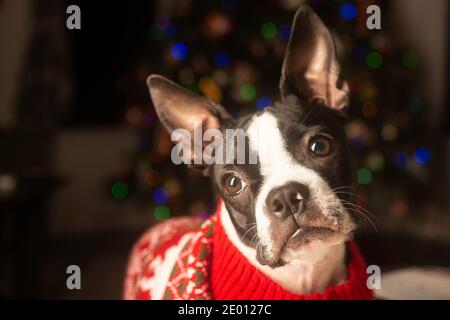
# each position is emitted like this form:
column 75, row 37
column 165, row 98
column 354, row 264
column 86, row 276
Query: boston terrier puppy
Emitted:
column 289, row 213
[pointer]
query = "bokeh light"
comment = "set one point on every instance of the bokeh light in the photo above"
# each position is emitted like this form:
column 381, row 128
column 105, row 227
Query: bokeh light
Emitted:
column 368, row 92
column 375, row 161
column 210, row 89
column 222, row 59
column 162, row 213
column 364, row 176
column 179, row 51
column 263, row 102
column 248, row 91
column 173, row 187
column 389, row 132
column 348, row 11
column 153, row 178
column 269, row 30
column 284, row 32
column 422, row 156
column 193, row 86
column 221, row 77
column 119, row 190
column 374, row 60
column 218, row 24
column 401, row 159
column 160, row 196
column 410, row 59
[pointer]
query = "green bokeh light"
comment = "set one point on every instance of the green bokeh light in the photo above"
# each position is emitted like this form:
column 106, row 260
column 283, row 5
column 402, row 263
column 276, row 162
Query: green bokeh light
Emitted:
column 248, row 91
column 410, row 59
column 374, row 60
column 119, row 190
column 193, row 86
column 269, row 30
column 162, row 213
column 375, row 162
column 364, row 176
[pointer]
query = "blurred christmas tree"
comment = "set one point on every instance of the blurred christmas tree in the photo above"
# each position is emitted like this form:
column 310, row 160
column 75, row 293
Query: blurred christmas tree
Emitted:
column 232, row 51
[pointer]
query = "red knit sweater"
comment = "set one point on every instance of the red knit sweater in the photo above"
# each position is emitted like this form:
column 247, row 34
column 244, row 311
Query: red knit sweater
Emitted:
column 176, row 260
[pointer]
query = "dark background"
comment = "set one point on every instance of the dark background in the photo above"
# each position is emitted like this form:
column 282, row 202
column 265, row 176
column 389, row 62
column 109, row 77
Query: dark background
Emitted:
column 113, row 37
column 85, row 165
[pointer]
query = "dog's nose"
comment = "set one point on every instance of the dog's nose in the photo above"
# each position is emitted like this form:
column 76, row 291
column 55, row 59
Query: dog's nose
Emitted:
column 289, row 199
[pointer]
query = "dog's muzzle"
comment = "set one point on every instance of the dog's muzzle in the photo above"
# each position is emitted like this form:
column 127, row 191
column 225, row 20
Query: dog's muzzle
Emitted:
column 288, row 200
column 295, row 220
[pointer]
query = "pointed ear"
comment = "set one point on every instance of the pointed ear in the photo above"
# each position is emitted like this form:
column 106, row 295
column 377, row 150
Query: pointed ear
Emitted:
column 178, row 108
column 310, row 68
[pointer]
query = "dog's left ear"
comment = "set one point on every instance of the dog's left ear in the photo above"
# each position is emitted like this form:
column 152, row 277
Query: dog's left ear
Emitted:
column 310, row 68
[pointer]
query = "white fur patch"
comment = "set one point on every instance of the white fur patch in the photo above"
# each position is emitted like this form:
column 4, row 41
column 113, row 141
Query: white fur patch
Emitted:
column 313, row 271
column 279, row 167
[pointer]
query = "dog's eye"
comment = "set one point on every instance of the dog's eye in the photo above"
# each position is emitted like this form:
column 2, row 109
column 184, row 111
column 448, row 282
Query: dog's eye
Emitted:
column 232, row 184
column 320, row 146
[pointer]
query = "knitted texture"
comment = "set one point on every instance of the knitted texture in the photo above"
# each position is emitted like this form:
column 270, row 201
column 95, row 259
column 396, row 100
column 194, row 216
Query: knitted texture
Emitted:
column 187, row 259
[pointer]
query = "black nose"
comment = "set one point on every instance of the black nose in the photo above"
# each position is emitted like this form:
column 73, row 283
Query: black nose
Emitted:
column 289, row 199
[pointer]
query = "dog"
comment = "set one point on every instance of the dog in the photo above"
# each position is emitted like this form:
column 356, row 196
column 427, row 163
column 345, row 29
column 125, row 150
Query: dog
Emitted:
column 288, row 215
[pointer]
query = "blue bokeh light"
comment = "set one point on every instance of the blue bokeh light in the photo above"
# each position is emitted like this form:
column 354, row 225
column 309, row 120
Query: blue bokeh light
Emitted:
column 422, row 156
column 179, row 51
column 222, row 59
column 160, row 196
column 284, row 32
column 348, row 11
column 401, row 159
column 263, row 102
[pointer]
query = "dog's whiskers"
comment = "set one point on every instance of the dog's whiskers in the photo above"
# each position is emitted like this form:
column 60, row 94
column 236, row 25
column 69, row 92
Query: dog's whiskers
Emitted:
column 342, row 201
column 351, row 194
column 257, row 271
column 340, row 191
column 250, row 224
column 253, row 239
column 248, row 232
column 361, row 208
column 308, row 114
column 258, row 243
column 357, row 210
column 342, row 187
column 364, row 215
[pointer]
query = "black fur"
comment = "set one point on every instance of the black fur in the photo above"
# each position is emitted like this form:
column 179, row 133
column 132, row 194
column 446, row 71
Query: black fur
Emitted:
column 313, row 101
column 296, row 120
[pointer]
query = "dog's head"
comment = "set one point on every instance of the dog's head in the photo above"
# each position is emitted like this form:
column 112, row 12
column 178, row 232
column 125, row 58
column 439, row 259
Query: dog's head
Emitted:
column 288, row 200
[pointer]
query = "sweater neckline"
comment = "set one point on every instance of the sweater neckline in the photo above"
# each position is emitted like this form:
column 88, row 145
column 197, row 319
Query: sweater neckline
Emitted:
column 234, row 277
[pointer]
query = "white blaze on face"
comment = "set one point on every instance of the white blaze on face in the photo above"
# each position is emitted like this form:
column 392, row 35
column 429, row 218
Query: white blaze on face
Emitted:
column 277, row 167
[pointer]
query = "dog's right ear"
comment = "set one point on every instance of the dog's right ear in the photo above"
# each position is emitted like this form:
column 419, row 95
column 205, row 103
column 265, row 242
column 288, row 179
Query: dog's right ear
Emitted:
column 178, row 108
